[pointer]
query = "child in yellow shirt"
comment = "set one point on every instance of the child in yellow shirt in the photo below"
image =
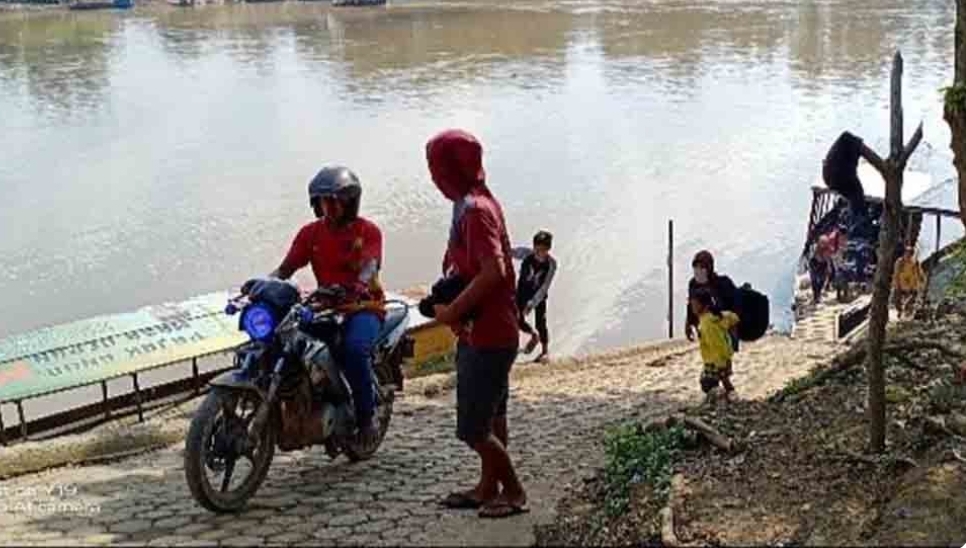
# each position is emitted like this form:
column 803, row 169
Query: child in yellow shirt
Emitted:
column 907, row 281
column 715, row 341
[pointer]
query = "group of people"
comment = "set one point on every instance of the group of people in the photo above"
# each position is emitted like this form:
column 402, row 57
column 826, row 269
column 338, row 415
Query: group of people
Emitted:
column 345, row 249
column 825, row 267
column 842, row 247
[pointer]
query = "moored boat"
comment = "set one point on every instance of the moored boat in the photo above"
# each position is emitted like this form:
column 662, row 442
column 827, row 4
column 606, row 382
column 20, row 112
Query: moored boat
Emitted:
column 841, row 314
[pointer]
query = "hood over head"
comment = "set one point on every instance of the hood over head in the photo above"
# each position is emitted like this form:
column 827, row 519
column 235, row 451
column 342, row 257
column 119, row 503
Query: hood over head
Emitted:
column 455, row 159
column 705, row 259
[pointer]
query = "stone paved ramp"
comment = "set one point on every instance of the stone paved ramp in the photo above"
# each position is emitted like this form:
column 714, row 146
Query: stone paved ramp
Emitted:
column 557, row 415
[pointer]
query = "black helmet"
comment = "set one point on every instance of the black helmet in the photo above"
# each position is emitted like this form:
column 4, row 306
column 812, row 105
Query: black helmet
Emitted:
column 338, row 182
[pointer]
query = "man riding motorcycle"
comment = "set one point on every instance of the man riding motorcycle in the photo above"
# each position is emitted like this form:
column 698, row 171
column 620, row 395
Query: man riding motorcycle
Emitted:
column 345, row 251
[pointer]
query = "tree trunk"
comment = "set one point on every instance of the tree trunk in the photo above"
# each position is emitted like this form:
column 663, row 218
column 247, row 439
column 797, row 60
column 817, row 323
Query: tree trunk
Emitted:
column 879, row 313
column 954, row 111
column 891, row 170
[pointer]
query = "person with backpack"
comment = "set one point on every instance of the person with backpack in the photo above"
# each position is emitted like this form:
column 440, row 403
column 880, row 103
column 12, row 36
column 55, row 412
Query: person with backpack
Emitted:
column 751, row 306
column 537, row 270
column 721, row 289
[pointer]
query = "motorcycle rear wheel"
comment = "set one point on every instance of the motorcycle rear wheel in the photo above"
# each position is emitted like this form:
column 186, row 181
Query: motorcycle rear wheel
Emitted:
column 358, row 451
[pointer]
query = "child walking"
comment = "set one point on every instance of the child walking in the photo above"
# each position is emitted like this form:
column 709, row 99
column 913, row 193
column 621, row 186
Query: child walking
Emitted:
column 907, row 282
column 715, row 341
column 536, row 274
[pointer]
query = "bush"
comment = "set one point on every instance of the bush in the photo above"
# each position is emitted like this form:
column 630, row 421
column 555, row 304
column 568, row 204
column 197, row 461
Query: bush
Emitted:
column 633, row 457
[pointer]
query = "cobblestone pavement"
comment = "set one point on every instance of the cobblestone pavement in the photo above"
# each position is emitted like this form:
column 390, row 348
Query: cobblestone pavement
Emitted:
column 557, row 414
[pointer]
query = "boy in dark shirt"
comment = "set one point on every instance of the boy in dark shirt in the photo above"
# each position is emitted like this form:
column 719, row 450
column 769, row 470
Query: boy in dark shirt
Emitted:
column 536, row 274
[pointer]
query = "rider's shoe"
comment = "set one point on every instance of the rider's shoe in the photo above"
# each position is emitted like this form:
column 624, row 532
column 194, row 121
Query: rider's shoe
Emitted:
column 369, row 431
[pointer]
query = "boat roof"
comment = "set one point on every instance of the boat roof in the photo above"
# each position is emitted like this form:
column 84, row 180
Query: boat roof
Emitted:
column 918, row 190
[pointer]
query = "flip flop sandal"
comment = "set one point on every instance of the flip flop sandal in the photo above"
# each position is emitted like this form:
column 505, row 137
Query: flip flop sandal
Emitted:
column 460, row 501
column 502, row 510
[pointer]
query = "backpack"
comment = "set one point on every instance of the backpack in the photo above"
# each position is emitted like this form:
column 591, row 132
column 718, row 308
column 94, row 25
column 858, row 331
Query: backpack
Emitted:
column 753, row 309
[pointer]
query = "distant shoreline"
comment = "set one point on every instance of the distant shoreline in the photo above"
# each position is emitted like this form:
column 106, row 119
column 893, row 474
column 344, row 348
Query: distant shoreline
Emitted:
column 26, row 7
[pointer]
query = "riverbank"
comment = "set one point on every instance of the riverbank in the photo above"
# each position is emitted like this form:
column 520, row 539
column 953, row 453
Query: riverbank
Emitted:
column 558, row 414
column 793, row 469
column 125, row 437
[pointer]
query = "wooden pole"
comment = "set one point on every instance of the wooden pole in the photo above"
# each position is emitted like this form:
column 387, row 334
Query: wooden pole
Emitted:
column 137, row 397
column 670, row 278
column 194, row 375
column 3, row 429
column 891, row 170
column 107, row 409
column 939, row 228
column 23, row 421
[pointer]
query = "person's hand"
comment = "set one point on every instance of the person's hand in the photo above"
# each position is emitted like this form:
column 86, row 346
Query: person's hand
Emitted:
column 689, row 332
column 444, row 314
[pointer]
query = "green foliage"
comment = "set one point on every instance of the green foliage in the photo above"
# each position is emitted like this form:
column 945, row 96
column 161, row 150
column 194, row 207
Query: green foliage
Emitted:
column 945, row 397
column 797, row 385
column 954, row 97
column 638, row 457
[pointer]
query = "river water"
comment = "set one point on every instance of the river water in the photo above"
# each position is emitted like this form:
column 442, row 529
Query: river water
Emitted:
column 161, row 153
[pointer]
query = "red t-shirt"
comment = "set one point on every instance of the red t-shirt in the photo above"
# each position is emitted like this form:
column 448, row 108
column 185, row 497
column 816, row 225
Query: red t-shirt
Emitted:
column 479, row 233
column 338, row 256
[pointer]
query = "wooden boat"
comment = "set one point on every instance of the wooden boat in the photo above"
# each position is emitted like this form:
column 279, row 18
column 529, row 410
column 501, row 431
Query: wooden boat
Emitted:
column 351, row 3
column 836, row 318
column 101, row 4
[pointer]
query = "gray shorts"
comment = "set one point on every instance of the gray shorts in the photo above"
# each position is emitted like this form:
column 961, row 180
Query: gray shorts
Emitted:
column 482, row 389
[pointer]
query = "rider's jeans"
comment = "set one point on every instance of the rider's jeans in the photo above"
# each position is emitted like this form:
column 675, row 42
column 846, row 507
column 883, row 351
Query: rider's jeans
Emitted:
column 361, row 330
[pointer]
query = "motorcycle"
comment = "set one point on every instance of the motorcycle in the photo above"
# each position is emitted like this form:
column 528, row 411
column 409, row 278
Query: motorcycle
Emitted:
column 286, row 390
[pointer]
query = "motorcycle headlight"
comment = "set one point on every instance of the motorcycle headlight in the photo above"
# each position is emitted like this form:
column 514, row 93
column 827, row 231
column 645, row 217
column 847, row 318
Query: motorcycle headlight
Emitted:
column 258, row 322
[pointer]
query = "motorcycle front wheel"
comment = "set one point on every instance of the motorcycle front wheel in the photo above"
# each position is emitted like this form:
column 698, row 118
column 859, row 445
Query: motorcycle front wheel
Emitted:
column 218, row 445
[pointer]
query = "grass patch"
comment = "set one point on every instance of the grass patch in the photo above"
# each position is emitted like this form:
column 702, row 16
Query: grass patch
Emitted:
column 946, row 398
column 797, row 385
column 637, row 457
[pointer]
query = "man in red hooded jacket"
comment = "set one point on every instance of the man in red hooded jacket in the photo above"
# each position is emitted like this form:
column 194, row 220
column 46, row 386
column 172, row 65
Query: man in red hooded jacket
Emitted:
column 479, row 252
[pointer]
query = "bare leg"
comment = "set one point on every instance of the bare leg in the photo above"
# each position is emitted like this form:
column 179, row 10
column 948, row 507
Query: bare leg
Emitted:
column 500, row 430
column 499, row 470
column 488, row 487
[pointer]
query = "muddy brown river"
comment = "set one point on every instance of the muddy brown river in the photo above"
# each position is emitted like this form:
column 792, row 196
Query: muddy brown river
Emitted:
column 160, row 153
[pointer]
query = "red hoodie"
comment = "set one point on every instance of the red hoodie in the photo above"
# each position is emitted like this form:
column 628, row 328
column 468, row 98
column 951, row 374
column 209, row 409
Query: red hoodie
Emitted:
column 478, row 232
